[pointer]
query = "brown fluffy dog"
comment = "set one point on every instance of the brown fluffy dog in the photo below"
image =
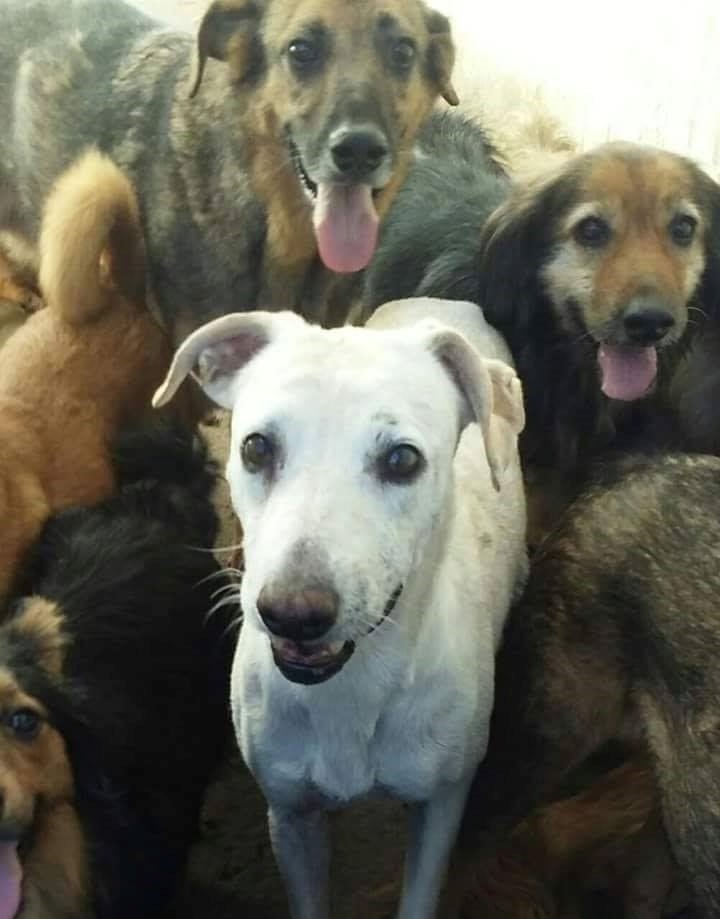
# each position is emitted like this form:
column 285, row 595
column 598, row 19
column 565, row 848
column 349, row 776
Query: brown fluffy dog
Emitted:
column 77, row 371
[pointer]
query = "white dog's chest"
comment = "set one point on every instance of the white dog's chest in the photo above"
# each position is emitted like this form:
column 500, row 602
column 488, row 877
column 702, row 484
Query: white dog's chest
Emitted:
column 332, row 752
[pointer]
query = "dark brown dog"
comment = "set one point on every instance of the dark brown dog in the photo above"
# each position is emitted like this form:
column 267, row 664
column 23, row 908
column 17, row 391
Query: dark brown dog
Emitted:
column 617, row 635
column 298, row 133
column 80, row 369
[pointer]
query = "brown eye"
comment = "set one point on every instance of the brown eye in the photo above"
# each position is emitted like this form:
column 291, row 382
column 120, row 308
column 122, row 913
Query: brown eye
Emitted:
column 592, row 232
column 257, row 453
column 682, row 229
column 304, row 52
column 24, row 723
column 400, row 464
column 402, row 54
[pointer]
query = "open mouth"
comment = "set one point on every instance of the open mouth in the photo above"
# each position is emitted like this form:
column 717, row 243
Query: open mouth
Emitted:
column 315, row 662
column 11, row 876
column 345, row 220
column 627, row 371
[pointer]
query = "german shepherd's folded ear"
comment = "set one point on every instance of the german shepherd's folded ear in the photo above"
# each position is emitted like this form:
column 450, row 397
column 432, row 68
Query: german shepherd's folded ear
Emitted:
column 441, row 55
column 228, row 32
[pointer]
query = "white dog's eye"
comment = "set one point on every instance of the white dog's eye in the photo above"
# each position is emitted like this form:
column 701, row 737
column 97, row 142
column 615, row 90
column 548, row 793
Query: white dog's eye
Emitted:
column 257, row 453
column 400, row 464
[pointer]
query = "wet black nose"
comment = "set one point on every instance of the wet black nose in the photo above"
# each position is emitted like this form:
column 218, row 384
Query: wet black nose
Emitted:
column 358, row 154
column 647, row 325
column 304, row 615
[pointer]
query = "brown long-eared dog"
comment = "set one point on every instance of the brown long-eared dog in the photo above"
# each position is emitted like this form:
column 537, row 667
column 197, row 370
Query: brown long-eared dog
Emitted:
column 264, row 154
column 80, row 369
column 597, row 273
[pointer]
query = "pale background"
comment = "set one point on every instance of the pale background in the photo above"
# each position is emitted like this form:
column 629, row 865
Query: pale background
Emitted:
column 645, row 70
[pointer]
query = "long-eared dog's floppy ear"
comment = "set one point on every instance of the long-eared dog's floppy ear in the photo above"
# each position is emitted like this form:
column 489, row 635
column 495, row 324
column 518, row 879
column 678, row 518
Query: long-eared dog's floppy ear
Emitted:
column 228, row 32
column 514, row 243
column 91, row 242
column 219, row 350
column 708, row 294
column 441, row 55
column 490, row 391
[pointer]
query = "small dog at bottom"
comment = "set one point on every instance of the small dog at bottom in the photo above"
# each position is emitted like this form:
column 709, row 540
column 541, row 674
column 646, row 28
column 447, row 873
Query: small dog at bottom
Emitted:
column 113, row 693
column 376, row 476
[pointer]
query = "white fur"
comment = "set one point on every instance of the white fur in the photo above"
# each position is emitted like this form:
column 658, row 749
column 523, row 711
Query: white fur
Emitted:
column 408, row 715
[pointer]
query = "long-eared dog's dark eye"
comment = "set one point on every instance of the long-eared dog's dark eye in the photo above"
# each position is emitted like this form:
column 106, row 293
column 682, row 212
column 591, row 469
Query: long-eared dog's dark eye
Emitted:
column 304, row 52
column 402, row 54
column 24, row 723
column 258, row 453
column 682, row 229
column 400, row 464
column 592, row 231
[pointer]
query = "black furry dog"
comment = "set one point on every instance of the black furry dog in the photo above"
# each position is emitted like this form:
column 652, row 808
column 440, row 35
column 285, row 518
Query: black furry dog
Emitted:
column 114, row 688
column 617, row 637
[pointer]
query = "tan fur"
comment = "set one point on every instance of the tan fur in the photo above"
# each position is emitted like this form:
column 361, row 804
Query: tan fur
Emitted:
column 604, row 837
column 80, row 369
column 291, row 246
column 637, row 192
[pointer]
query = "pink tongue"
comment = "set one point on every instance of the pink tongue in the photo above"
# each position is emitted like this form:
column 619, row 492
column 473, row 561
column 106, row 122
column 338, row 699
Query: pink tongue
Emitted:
column 10, row 880
column 346, row 226
column 627, row 371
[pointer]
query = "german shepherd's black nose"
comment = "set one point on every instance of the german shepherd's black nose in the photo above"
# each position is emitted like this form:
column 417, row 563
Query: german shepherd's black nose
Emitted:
column 359, row 152
column 303, row 616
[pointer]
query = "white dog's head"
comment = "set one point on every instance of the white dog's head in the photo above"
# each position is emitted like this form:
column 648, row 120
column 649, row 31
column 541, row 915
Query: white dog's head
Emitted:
column 341, row 464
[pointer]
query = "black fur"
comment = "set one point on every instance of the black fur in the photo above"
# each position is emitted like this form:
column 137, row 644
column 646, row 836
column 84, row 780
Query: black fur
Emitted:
column 429, row 240
column 143, row 699
column 618, row 636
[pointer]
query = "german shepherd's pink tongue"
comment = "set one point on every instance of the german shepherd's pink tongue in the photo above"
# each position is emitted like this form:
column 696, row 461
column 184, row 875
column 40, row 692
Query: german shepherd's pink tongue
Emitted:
column 346, row 226
column 10, row 880
column 628, row 371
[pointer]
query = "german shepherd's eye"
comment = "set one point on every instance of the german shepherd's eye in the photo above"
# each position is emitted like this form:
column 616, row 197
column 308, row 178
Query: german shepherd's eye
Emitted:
column 402, row 54
column 304, row 52
column 24, row 723
column 258, row 453
column 592, row 232
column 400, row 464
column 682, row 229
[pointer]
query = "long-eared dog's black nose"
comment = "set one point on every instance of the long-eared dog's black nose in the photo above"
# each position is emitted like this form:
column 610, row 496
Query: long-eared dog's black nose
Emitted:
column 302, row 616
column 358, row 153
column 647, row 324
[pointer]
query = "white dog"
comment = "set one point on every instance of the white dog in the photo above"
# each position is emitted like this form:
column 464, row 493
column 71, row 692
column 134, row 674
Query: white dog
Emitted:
column 376, row 477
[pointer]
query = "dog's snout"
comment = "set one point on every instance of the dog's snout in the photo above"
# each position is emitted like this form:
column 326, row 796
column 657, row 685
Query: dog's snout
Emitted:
column 646, row 323
column 304, row 615
column 358, row 153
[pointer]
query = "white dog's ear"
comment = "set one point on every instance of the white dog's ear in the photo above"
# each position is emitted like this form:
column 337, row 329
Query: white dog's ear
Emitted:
column 491, row 396
column 216, row 352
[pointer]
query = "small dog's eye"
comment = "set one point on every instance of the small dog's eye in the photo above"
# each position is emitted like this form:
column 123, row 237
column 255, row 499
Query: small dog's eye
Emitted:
column 24, row 723
column 257, row 453
column 592, row 231
column 304, row 51
column 402, row 54
column 682, row 229
column 400, row 464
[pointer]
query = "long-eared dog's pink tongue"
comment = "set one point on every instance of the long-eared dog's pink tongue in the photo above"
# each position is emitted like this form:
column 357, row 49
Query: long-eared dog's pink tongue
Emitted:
column 346, row 226
column 10, row 880
column 627, row 371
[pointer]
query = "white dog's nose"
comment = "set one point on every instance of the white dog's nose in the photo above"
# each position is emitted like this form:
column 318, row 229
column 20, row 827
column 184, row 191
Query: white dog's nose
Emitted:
column 301, row 615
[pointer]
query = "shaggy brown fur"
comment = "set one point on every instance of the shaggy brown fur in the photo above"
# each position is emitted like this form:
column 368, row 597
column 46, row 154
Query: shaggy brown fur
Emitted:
column 225, row 138
column 616, row 637
column 77, row 371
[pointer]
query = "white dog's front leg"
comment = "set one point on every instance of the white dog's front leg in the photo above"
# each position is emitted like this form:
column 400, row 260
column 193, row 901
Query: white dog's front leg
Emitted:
column 433, row 826
column 300, row 842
